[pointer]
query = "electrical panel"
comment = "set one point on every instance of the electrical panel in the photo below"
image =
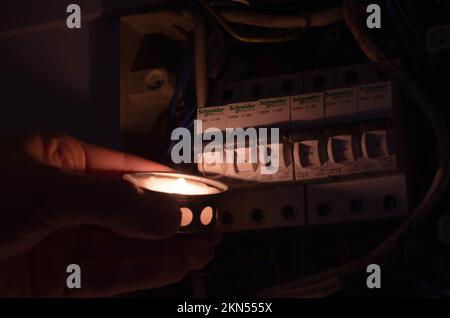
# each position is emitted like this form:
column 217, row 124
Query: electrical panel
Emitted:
column 340, row 140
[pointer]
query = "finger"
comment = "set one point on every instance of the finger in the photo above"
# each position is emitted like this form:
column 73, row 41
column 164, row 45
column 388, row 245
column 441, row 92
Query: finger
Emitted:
column 103, row 278
column 103, row 159
column 68, row 153
column 197, row 251
column 113, row 204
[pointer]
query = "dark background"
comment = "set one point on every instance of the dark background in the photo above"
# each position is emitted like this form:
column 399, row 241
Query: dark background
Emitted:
column 55, row 79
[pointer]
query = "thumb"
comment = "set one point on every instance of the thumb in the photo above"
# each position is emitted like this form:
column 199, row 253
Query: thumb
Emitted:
column 114, row 204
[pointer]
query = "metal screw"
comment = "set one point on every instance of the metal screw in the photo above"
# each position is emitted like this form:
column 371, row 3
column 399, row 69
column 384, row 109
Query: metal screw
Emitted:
column 323, row 210
column 390, row 202
column 289, row 213
column 154, row 79
column 257, row 215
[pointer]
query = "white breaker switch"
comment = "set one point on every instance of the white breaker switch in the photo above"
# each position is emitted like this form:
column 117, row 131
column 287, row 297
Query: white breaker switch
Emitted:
column 243, row 171
column 383, row 132
column 273, row 154
column 242, row 115
column 212, row 117
column 310, row 160
column 377, row 148
column 210, row 167
column 344, row 155
column 248, row 165
column 275, row 113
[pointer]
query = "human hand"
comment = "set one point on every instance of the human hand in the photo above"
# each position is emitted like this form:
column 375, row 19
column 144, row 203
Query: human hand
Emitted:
column 51, row 187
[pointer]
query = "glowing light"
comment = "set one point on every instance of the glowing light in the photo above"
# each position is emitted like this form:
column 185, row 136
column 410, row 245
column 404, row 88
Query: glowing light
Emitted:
column 178, row 186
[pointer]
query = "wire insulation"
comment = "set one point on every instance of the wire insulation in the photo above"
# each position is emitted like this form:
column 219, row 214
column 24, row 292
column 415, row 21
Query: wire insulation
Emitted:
column 201, row 60
column 301, row 288
column 309, row 20
column 244, row 38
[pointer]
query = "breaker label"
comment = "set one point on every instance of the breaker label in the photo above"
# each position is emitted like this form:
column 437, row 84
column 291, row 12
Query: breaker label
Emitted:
column 340, row 102
column 375, row 97
column 213, row 117
column 309, row 107
column 274, row 111
column 243, row 115
column 242, row 108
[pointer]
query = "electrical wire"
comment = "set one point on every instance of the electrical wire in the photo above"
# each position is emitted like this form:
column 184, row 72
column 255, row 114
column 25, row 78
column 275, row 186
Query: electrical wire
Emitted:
column 333, row 280
column 309, row 20
column 402, row 34
column 407, row 21
column 211, row 11
column 225, row 52
column 180, row 87
column 201, row 60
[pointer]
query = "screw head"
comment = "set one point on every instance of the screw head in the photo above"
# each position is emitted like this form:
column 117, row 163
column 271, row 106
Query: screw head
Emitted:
column 356, row 206
column 323, row 210
column 289, row 213
column 154, row 79
column 390, row 203
column 257, row 215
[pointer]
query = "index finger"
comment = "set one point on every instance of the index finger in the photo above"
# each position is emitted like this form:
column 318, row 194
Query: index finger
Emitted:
column 100, row 159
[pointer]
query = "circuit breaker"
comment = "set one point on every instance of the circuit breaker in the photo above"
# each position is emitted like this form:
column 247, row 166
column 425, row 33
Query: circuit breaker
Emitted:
column 340, row 140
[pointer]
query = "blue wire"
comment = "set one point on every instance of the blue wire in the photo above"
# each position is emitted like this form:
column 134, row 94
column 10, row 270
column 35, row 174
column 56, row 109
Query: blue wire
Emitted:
column 189, row 106
column 187, row 101
column 181, row 85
